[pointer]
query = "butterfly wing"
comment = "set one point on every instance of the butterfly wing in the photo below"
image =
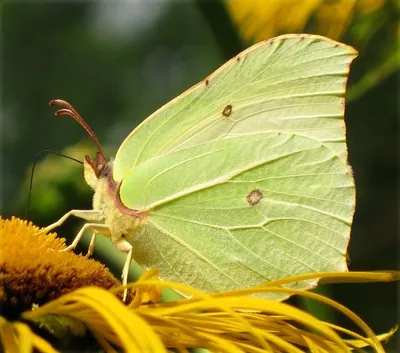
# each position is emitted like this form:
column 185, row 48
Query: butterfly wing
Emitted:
column 244, row 176
column 240, row 211
column 292, row 83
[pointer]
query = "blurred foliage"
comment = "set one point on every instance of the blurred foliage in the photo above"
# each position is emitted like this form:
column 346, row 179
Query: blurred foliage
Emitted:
column 117, row 63
column 52, row 177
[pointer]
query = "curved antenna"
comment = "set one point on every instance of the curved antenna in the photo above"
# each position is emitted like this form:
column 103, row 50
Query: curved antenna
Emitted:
column 70, row 111
column 33, row 171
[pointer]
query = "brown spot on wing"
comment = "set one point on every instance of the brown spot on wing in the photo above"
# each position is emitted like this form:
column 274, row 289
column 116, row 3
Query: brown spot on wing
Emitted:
column 254, row 197
column 227, row 110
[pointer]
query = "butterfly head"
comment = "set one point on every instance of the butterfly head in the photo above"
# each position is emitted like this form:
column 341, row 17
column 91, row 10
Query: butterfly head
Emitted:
column 96, row 169
column 98, row 175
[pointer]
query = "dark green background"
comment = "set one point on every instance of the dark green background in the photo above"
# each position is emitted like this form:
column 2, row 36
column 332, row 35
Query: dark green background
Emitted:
column 117, row 65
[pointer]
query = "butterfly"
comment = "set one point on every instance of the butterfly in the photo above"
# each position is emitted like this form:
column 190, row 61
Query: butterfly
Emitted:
column 240, row 180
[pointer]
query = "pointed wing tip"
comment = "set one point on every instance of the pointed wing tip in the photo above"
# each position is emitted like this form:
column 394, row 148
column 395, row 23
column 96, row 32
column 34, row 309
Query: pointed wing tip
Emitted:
column 314, row 37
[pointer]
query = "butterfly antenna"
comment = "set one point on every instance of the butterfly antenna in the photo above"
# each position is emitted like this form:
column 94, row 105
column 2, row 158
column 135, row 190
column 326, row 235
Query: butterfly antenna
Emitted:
column 33, row 171
column 68, row 109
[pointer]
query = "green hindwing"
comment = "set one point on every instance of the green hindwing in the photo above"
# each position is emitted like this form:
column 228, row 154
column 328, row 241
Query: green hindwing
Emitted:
column 240, row 211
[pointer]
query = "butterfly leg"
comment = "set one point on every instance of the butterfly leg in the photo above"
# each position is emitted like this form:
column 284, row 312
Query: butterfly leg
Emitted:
column 89, row 215
column 97, row 228
column 124, row 246
column 91, row 244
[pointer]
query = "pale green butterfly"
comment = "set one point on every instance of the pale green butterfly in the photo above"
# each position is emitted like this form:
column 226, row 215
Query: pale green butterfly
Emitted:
column 240, row 180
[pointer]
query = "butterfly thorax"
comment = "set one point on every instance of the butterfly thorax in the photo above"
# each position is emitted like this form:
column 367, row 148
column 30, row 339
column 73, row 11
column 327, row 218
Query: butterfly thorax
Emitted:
column 98, row 174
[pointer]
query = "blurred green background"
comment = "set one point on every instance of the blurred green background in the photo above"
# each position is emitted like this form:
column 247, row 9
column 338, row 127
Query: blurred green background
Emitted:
column 117, row 62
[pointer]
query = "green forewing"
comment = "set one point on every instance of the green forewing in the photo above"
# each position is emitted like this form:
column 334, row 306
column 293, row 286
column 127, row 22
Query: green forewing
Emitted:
column 292, row 83
column 244, row 176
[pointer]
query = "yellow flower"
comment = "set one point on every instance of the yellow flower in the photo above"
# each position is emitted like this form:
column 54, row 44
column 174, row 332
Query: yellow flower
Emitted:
column 221, row 322
column 33, row 271
column 263, row 19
